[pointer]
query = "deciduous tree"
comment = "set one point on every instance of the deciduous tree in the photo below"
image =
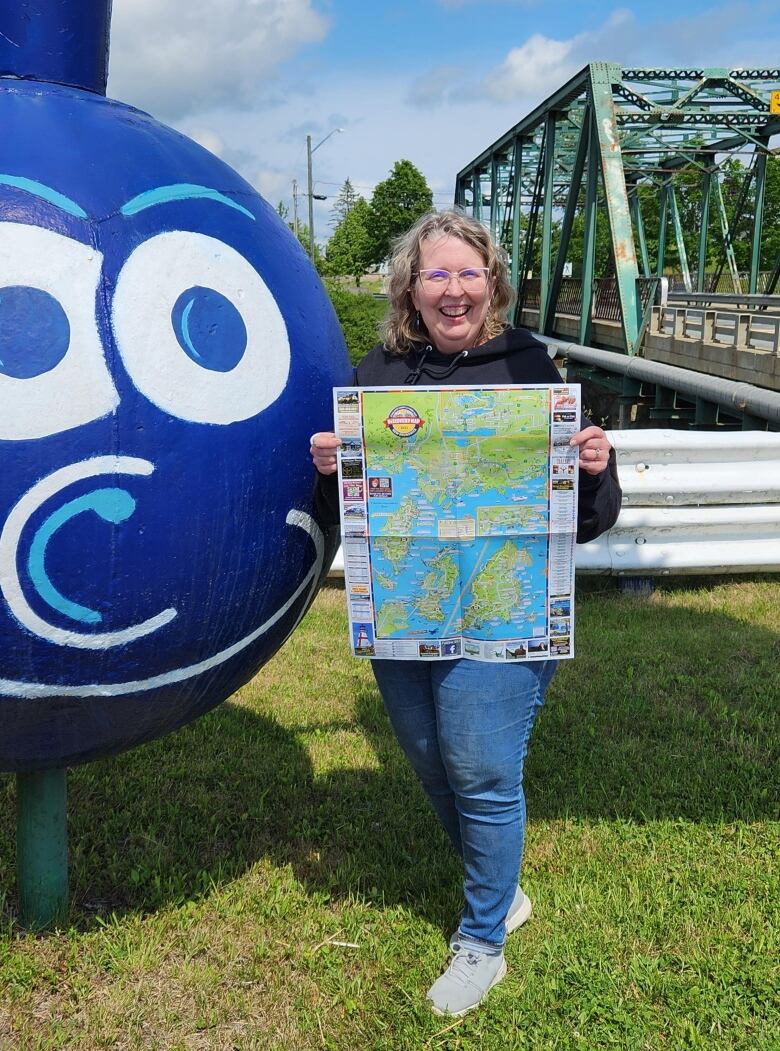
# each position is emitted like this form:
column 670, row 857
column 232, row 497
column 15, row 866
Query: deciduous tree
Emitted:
column 396, row 203
column 349, row 249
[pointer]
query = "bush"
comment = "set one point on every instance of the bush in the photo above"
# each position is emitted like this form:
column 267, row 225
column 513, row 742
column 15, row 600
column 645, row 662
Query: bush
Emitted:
column 360, row 316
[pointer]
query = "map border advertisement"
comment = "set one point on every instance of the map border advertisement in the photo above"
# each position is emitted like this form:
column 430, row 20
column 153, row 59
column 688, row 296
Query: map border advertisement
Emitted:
column 436, row 436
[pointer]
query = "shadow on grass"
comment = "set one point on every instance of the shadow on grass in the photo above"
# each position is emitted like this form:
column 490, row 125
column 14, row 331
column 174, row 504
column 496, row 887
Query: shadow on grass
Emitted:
column 168, row 821
column 664, row 714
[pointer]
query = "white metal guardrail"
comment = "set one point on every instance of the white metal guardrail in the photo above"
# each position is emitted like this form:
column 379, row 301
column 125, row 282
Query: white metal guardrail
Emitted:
column 693, row 502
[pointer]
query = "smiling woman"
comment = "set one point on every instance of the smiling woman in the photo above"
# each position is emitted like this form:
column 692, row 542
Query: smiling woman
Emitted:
column 465, row 724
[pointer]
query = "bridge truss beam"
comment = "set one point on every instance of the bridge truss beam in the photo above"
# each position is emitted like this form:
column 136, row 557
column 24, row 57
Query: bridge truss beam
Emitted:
column 616, row 150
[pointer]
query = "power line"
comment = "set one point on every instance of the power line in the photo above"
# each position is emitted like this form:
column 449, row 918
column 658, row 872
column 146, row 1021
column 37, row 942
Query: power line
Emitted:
column 370, row 189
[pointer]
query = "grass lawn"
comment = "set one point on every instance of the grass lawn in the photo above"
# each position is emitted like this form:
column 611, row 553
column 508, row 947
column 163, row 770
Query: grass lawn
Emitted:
column 270, row 877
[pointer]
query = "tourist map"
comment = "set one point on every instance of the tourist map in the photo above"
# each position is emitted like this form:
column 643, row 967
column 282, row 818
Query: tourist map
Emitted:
column 459, row 515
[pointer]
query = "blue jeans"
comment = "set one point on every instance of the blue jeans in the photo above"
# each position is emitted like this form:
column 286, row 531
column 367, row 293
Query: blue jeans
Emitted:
column 464, row 726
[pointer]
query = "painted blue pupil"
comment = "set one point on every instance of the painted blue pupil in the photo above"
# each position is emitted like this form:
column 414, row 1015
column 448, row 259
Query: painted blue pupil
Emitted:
column 34, row 332
column 209, row 329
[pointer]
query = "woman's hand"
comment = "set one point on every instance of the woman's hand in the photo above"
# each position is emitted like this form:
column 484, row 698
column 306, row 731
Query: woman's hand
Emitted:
column 323, row 451
column 594, row 449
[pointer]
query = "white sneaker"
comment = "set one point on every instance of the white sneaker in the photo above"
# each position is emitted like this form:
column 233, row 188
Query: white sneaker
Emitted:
column 466, row 982
column 519, row 911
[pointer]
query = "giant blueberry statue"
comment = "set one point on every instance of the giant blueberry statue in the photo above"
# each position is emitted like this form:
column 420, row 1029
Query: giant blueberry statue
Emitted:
column 165, row 350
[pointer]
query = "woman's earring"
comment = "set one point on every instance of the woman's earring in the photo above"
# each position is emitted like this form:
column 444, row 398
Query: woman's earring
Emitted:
column 418, row 321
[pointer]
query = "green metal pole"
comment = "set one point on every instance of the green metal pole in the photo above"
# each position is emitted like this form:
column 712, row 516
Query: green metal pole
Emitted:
column 663, row 211
column 517, row 201
column 682, row 254
column 547, row 212
column 728, row 244
column 547, row 320
column 42, row 848
column 493, row 197
column 589, row 235
column 602, row 77
column 706, row 186
column 758, row 220
column 636, row 211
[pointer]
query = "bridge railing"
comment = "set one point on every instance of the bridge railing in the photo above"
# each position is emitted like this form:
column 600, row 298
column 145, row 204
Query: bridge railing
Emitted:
column 770, row 304
column 720, row 283
column 753, row 331
column 605, row 299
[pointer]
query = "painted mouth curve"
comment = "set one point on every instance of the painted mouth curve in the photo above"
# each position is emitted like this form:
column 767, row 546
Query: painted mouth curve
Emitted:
column 45, row 489
column 36, row 691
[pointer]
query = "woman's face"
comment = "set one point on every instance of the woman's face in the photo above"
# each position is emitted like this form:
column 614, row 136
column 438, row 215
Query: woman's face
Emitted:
column 453, row 314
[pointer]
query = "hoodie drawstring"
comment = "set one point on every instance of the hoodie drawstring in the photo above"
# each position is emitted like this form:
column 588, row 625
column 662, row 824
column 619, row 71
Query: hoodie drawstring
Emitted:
column 442, row 374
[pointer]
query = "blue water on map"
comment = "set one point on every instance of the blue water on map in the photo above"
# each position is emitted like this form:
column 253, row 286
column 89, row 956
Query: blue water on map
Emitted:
column 425, row 602
column 454, row 503
column 411, row 574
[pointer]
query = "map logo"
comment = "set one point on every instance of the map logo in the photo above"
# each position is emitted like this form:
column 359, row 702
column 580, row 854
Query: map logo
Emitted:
column 404, row 422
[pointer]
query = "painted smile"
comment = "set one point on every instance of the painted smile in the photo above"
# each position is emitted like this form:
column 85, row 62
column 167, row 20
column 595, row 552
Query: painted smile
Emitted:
column 110, row 504
column 113, row 505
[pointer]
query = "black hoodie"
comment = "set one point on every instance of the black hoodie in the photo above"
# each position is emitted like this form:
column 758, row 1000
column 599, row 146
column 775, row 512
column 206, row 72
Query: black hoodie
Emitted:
column 514, row 356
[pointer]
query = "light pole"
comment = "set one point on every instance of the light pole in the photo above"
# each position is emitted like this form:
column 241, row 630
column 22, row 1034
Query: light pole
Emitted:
column 309, row 151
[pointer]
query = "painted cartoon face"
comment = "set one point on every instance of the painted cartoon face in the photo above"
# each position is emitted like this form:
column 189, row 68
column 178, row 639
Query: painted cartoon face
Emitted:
column 165, row 351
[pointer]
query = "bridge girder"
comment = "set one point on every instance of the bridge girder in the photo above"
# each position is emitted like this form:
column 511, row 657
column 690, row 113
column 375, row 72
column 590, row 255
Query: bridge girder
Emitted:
column 613, row 143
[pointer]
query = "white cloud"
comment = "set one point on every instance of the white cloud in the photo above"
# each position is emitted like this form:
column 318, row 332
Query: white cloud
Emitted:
column 537, row 67
column 542, row 64
column 176, row 59
column 272, row 184
column 208, row 139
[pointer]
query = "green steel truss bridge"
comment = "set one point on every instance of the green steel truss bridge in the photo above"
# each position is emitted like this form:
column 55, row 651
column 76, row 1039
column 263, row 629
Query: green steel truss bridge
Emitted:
column 615, row 150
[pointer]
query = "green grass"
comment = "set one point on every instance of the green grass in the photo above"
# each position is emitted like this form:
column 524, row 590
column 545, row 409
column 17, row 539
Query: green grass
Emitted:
column 270, row 877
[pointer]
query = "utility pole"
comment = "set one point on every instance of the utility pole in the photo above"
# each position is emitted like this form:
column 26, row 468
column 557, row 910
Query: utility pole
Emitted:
column 309, row 152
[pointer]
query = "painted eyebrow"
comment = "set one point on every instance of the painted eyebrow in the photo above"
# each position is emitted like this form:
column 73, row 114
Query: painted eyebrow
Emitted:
column 45, row 193
column 180, row 191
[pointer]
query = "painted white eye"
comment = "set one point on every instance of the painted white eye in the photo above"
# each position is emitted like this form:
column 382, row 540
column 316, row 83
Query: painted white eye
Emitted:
column 199, row 330
column 53, row 375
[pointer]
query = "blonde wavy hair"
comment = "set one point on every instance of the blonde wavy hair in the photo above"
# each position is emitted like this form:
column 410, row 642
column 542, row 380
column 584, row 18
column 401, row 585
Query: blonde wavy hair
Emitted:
column 402, row 329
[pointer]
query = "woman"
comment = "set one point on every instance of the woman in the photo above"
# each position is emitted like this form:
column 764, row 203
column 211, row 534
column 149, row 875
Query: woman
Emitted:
column 464, row 725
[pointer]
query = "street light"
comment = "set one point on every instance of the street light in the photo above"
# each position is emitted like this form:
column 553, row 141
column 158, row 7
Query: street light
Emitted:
column 309, row 151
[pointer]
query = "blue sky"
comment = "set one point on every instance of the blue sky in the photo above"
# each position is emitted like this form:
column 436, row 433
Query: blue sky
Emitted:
column 435, row 81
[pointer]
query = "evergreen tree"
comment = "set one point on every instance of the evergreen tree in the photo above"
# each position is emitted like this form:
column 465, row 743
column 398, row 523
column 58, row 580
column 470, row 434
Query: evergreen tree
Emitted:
column 345, row 202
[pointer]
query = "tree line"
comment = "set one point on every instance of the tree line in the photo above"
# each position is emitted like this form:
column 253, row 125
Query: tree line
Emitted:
column 364, row 230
